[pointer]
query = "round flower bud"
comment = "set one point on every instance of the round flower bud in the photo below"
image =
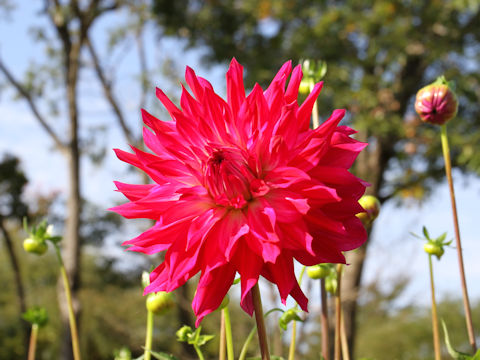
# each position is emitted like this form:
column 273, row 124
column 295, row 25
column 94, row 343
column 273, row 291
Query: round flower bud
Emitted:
column 35, row 246
column 372, row 208
column 319, row 271
column 436, row 103
column 183, row 333
column 433, row 248
column 331, row 284
column 159, row 303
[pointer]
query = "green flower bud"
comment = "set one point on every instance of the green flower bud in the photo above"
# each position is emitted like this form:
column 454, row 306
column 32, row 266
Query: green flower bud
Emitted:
column 331, row 284
column 433, row 248
column 313, row 72
column 123, row 354
column 35, row 246
column 436, row 103
column 287, row 317
column 183, row 333
column 159, row 303
column 319, row 271
column 372, row 208
column 36, row 315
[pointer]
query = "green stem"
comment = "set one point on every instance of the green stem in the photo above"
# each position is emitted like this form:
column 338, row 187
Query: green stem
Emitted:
column 148, row 336
column 291, row 350
column 33, row 342
column 466, row 301
column 243, row 352
column 436, row 338
column 71, row 313
column 199, row 352
column 261, row 331
column 228, row 334
column 293, row 340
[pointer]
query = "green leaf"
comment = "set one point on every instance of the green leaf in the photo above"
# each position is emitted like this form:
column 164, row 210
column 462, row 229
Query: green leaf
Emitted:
column 162, row 355
column 425, row 233
column 442, row 237
column 203, row 339
column 454, row 353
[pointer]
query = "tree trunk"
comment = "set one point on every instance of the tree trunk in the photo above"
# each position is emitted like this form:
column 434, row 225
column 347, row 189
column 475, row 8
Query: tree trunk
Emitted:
column 18, row 280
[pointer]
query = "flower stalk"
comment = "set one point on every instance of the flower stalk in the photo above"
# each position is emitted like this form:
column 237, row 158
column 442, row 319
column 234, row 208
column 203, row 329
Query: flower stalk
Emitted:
column 466, row 301
column 71, row 314
column 262, row 334
column 33, row 342
column 324, row 321
column 222, row 344
column 228, row 333
column 436, row 336
column 338, row 314
column 148, row 336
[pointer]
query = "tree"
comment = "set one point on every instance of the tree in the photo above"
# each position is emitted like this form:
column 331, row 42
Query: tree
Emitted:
column 379, row 53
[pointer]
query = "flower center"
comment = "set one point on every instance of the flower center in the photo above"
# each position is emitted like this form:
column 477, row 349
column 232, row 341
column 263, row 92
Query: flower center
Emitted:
column 227, row 177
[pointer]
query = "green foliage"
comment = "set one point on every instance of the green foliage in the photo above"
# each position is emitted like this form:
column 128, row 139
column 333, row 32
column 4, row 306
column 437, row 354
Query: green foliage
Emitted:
column 12, row 182
column 36, row 315
column 379, row 54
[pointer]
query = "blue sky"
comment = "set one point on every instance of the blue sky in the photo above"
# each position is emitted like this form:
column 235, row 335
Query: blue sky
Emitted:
column 392, row 251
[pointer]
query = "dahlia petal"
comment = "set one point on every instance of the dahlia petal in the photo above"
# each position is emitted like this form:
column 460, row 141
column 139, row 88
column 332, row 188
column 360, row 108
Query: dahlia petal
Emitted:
column 305, row 111
column 295, row 236
column 249, row 266
column 293, row 85
column 169, row 105
column 194, row 83
column 235, row 88
column 299, row 297
column 134, row 192
column 219, row 280
column 282, row 274
column 285, row 176
column 133, row 211
column 345, row 183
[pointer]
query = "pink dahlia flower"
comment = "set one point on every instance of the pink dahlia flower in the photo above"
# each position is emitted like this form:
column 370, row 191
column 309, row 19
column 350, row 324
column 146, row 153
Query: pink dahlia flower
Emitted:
column 243, row 186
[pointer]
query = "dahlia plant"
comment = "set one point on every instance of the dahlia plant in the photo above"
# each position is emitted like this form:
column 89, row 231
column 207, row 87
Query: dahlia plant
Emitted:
column 243, row 186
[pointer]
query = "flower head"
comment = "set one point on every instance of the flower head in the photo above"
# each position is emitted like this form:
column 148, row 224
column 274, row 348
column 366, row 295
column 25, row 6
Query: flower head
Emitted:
column 436, row 103
column 243, row 186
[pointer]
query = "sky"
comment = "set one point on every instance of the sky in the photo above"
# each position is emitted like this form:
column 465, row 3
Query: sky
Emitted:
column 392, row 251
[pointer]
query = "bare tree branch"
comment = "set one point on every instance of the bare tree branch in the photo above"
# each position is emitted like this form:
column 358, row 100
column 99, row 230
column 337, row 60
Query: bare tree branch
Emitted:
column 107, row 89
column 33, row 107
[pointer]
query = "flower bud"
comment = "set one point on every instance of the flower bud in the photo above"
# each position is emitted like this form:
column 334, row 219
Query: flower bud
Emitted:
column 313, row 72
column 183, row 333
column 433, row 248
column 123, row 354
column 36, row 315
column 159, row 303
column 436, row 103
column 372, row 208
column 35, row 246
column 287, row 317
column 319, row 271
column 331, row 284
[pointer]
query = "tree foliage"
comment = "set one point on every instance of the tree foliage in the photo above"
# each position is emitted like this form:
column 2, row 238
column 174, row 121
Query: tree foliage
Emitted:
column 379, row 53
